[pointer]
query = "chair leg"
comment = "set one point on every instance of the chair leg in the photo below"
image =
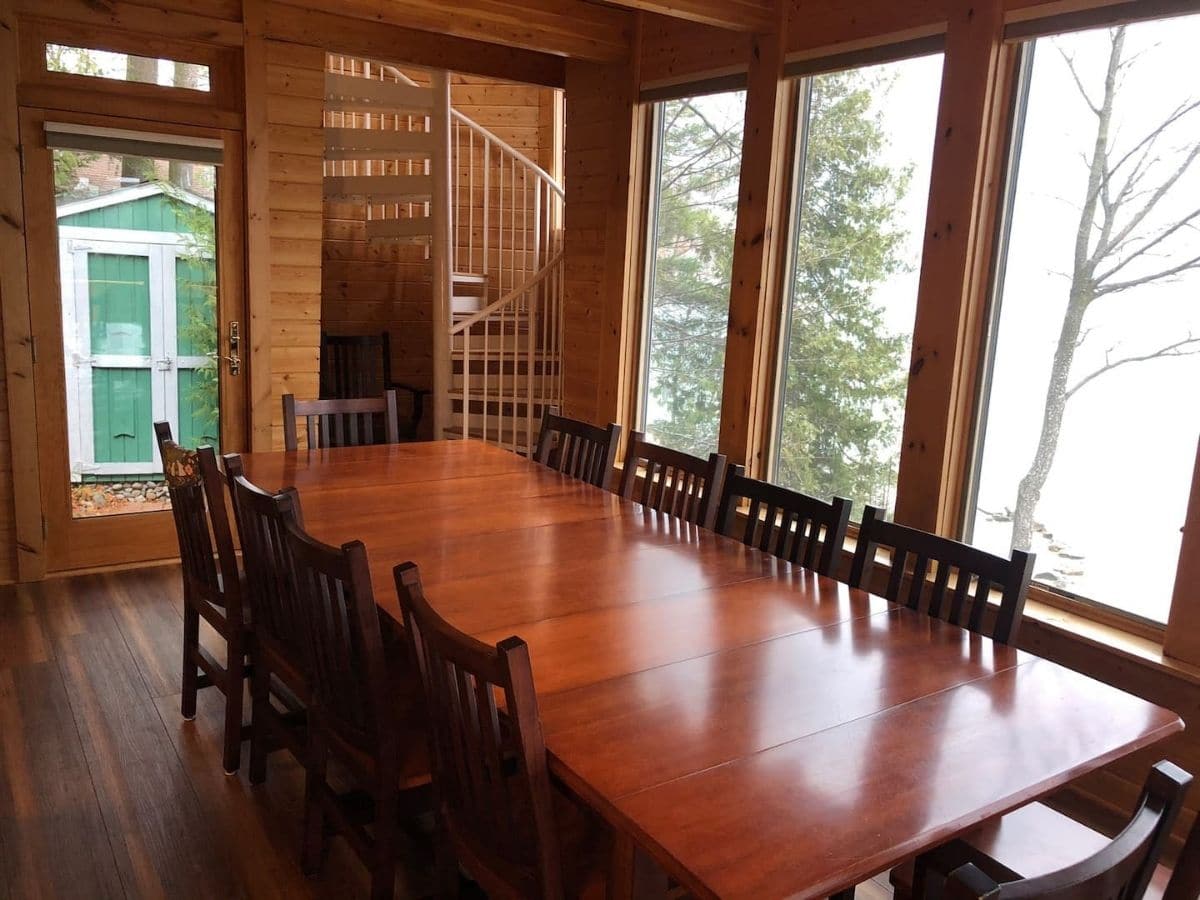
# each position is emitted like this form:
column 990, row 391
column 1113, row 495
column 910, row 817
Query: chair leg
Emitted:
column 448, row 882
column 312, row 852
column 191, row 674
column 234, row 664
column 262, row 715
column 383, row 868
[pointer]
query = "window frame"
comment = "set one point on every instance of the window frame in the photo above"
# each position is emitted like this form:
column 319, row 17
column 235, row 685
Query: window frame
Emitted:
column 801, row 74
column 1022, row 38
column 651, row 105
column 218, row 107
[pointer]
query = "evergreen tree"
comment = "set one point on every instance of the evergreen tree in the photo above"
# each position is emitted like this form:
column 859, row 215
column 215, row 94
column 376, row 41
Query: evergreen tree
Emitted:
column 845, row 372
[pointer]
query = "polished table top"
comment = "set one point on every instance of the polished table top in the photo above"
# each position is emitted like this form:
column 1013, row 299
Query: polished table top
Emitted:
column 759, row 730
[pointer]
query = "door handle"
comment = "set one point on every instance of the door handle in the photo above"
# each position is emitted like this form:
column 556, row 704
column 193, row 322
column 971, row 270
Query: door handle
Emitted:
column 234, row 359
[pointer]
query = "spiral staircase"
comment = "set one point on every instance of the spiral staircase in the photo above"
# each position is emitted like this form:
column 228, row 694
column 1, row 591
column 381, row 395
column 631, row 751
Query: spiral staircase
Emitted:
column 490, row 222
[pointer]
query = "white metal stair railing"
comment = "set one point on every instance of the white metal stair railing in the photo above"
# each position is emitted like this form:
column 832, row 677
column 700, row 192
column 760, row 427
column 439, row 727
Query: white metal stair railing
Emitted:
column 508, row 362
column 500, row 364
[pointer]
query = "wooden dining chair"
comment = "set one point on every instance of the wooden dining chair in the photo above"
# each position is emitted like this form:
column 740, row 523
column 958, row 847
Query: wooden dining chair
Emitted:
column 784, row 523
column 1121, row 870
column 279, row 636
column 677, row 483
column 211, row 584
column 491, row 781
column 341, row 423
column 355, row 366
column 954, row 602
column 365, row 710
column 579, row 449
column 1034, row 841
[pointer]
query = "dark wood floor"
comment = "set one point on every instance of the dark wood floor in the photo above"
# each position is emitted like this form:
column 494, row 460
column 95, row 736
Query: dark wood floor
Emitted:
column 105, row 791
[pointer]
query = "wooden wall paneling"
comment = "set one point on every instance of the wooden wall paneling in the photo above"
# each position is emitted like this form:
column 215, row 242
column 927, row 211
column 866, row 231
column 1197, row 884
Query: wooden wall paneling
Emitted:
column 951, row 293
column 674, row 51
column 1183, row 637
column 20, row 501
column 261, row 221
column 821, row 27
column 381, row 40
column 737, row 15
column 624, row 243
column 573, row 28
column 599, row 129
column 756, row 279
column 206, row 22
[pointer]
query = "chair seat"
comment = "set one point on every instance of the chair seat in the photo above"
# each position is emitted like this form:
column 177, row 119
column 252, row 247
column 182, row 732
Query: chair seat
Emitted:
column 1031, row 841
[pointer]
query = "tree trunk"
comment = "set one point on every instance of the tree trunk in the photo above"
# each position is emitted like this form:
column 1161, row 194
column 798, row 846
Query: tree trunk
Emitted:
column 136, row 168
column 179, row 172
column 1083, row 291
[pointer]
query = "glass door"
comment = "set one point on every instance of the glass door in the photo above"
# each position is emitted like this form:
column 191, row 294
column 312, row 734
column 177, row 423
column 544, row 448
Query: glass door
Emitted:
column 132, row 327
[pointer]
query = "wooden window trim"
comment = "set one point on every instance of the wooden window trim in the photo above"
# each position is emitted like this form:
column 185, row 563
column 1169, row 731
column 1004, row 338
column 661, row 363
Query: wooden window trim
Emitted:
column 1034, row 22
column 219, row 107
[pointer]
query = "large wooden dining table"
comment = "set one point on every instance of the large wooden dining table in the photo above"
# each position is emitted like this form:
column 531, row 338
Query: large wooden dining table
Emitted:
column 757, row 730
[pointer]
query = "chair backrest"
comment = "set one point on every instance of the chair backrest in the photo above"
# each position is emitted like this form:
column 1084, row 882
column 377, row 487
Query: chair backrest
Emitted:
column 206, row 551
column 355, row 366
column 677, row 483
column 795, row 526
column 584, row 451
column 263, row 519
column 1121, row 871
column 490, row 776
column 341, row 423
column 958, row 604
column 347, row 670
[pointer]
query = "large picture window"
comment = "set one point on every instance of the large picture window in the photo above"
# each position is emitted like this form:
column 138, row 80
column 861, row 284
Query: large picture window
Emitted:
column 690, row 257
column 1089, row 416
column 864, row 148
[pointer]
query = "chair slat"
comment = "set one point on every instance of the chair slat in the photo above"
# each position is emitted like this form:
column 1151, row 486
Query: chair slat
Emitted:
column 970, row 566
column 341, row 423
column 578, row 449
column 792, row 526
column 695, row 484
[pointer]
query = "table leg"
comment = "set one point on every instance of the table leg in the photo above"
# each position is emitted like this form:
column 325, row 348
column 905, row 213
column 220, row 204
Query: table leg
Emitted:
column 632, row 874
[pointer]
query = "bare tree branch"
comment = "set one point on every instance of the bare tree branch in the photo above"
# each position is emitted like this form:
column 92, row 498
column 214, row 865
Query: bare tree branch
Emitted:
column 1070, row 61
column 1193, row 263
column 1147, row 247
column 1148, row 207
column 1171, row 350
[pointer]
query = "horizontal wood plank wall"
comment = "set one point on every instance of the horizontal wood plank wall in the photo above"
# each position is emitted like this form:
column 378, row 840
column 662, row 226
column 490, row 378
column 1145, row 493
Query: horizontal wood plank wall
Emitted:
column 374, row 287
column 296, row 148
column 567, row 27
column 599, row 115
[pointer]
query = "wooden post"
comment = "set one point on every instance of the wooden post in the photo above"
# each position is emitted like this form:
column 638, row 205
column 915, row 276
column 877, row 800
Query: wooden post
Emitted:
column 953, row 288
column 258, row 229
column 14, row 310
column 757, row 255
column 623, row 242
column 440, row 254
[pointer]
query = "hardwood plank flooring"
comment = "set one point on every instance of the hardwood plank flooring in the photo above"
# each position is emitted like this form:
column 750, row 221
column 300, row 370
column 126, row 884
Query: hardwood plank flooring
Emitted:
column 106, row 792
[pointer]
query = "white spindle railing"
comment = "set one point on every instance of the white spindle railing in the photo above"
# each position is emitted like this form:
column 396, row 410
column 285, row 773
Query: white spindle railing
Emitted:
column 506, row 216
column 508, row 210
column 511, row 353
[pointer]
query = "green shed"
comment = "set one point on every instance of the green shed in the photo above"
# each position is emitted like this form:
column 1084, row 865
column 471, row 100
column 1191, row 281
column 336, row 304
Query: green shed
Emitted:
column 139, row 326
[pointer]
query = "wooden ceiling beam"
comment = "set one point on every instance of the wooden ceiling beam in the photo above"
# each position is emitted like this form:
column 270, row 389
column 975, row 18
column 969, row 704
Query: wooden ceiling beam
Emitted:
column 734, row 15
column 573, row 28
